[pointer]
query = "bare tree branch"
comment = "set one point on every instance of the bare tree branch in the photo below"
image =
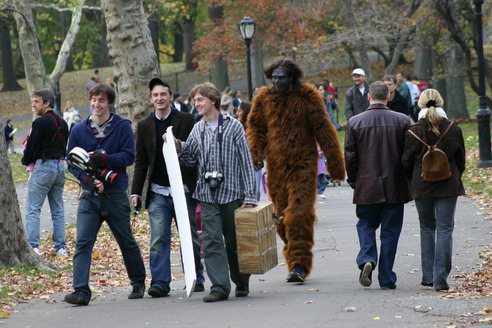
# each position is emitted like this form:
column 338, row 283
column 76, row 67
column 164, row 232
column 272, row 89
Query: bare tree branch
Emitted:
column 61, row 61
column 63, row 8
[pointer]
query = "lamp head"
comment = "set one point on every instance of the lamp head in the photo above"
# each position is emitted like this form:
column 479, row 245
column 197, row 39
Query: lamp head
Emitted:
column 247, row 28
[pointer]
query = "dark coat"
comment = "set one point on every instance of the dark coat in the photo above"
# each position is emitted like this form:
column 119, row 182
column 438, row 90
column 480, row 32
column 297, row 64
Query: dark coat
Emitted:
column 398, row 103
column 7, row 131
column 454, row 147
column 374, row 143
column 182, row 124
column 355, row 102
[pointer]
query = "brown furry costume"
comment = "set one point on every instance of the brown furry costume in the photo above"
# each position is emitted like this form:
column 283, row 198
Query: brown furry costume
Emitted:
column 284, row 130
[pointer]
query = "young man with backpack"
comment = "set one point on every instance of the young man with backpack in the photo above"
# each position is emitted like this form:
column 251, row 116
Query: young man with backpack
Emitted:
column 46, row 148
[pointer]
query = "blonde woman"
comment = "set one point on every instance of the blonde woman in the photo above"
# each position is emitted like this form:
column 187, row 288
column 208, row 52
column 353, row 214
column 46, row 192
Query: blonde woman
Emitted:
column 435, row 201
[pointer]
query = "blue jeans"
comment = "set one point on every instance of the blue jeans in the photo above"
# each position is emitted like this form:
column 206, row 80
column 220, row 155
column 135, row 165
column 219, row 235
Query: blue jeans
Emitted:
column 47, row 179
column 322, row 183
column 219, row 246
column 93, row 210
column 161, row 213
column 258, row 175
column 436, row 215
column 390, row 218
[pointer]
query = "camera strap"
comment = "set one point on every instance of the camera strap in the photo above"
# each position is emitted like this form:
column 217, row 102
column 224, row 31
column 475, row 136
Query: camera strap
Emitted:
column 219, row 135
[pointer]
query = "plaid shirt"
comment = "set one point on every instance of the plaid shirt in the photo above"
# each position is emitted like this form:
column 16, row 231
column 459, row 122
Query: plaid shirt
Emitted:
column 235, row 163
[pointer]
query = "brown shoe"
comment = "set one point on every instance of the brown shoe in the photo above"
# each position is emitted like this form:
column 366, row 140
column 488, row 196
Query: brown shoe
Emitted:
column 242, row 291
column 215, row 297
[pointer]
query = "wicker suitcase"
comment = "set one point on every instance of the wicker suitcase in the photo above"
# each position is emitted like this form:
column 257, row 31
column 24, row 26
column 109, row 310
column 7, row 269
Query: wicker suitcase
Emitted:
column 256, row 239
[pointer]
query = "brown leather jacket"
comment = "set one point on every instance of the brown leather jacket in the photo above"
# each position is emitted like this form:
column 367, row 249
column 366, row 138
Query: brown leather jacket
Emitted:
column 452, row 144
column 374, row 143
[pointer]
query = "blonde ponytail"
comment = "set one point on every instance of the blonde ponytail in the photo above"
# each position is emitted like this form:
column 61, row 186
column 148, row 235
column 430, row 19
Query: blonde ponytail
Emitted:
column 431, row 99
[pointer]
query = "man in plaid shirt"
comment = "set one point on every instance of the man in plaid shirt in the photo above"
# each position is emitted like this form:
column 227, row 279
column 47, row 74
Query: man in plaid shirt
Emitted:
column 217, row 144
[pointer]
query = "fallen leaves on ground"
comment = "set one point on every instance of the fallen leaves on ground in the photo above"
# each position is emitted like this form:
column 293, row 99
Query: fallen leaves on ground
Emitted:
column 477, row 283
column 23, row 284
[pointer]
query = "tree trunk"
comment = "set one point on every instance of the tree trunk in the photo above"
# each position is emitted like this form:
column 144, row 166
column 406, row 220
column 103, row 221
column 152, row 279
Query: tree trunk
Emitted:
column 438, row 80
column 13, row 241
column 154, row 33
column 455, row 86
column 188, row 39
column 220, row 74
column 423, row 63
column 65, row 27
column 257, row 63
column 178, row 43
column 100, row 56
column 28, row 43
column 133, row 55
column 8, row 75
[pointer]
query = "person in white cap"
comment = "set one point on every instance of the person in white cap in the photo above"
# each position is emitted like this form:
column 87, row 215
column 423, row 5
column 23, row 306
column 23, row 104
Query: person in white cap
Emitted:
column 356, row 97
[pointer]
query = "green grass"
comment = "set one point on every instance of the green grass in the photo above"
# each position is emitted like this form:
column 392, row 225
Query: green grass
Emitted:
column 19, row 172
column 28, row 271
column 475, row 179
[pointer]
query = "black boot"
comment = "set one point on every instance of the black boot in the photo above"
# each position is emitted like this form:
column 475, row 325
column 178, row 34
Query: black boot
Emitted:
column 297, row 275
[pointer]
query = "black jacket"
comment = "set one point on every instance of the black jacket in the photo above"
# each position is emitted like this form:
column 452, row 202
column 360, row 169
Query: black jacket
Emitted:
column 398, row 103
column 146, row 148
column 355, row 102
column 7, row 131
column 42, row 143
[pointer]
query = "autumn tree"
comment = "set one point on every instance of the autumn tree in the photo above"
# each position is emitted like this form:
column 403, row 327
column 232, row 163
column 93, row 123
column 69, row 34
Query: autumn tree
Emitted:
column 458, row 17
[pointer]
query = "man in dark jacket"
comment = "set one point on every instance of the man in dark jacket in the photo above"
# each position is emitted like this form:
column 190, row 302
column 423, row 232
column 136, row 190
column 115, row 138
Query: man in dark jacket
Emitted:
column 46, row 149
column 396, row 101
column 150, row 164
column 103, row 200
column 9, row 132
column 373, row 148
column 356, row 97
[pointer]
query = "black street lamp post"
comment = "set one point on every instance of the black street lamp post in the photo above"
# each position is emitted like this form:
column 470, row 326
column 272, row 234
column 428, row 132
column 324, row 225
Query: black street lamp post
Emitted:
column 247, row 29
column 56, row 47
column 483, row 113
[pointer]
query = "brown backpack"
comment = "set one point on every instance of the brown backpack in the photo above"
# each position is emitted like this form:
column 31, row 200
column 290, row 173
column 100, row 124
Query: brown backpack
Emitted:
column 435, row 164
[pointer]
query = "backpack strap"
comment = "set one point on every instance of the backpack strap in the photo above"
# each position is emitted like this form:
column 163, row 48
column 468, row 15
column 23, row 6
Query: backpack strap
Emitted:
column 444, row 133
column 418, row 138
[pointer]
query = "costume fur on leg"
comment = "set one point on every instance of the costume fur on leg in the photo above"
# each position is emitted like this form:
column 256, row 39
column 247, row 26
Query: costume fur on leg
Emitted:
column 284, row 130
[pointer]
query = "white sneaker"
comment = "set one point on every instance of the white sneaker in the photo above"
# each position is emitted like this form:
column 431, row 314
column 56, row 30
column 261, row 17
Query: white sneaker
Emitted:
column 36, row 250
column 322, row 196
column 62, row 252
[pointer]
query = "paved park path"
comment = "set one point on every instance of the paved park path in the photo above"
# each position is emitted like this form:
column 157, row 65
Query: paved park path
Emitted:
column 332, row 296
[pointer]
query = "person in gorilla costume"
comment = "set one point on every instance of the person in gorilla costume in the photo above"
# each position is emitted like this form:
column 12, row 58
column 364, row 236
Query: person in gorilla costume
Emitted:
column 286, row 122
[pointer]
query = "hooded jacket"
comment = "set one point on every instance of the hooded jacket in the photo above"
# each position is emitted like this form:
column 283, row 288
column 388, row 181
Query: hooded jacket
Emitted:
column 118, row 144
